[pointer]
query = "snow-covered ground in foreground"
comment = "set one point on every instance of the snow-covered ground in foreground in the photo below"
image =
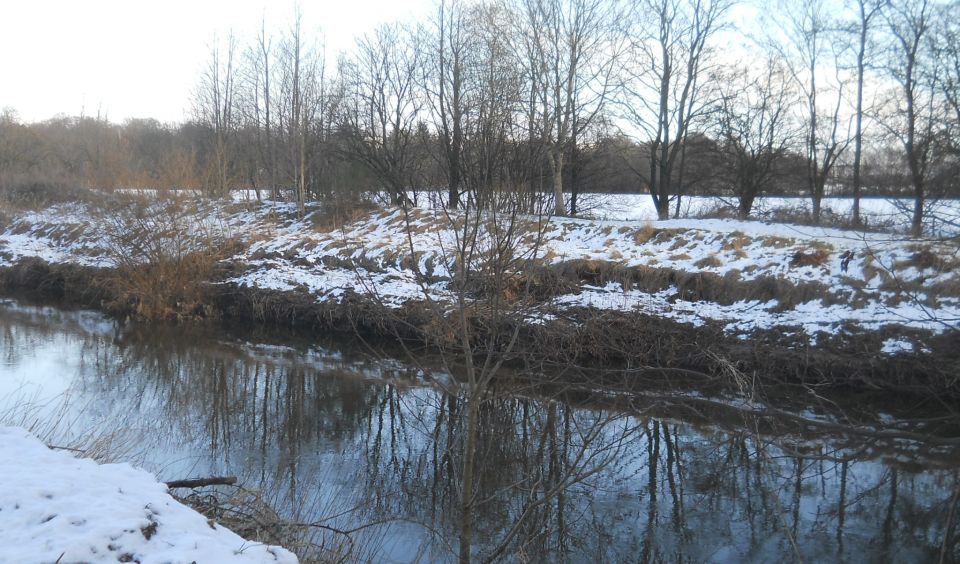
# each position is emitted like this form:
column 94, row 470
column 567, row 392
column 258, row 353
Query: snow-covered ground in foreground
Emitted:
column 55, row 507
column 890, row 280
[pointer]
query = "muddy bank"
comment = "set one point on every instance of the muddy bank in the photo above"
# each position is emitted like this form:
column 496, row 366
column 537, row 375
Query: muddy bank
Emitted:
column 623, row 350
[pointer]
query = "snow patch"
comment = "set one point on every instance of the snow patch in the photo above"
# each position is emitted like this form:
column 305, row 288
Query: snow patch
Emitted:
column 55, row 507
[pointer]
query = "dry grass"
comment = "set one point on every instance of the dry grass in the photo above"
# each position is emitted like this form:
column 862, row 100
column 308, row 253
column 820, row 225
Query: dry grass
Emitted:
column 251, row 515
column 949, row 287
column 164, row 257
column 643, row 235
column 711, row 261
column 678, row 243
column 776, row 242
column 736, row 241
column 810, row 257
column 664, row 235
column 729, row 288
column 923, row 257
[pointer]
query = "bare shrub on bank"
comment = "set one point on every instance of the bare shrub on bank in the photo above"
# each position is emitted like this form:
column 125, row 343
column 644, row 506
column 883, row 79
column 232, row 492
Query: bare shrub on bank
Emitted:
column 164, row 253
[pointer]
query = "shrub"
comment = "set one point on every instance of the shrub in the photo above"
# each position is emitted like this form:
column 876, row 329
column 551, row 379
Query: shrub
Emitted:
column 340, row 210
column 34, row 191
column 164, row 256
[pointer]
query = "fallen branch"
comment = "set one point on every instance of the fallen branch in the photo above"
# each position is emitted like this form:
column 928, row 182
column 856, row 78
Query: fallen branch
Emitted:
column 201, row 482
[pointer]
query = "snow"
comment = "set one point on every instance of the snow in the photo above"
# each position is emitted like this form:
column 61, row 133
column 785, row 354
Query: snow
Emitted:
column 55, row 507
column 895, row 346
column 883, row 285
column 943, row 216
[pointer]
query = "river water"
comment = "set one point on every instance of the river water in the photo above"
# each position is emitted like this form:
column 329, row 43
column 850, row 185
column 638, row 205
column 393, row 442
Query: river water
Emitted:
column 369, row 448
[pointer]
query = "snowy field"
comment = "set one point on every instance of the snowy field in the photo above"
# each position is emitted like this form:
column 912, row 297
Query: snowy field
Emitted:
column 890, row 213
column 55, row 507
column 888, row 280
column 879, row 213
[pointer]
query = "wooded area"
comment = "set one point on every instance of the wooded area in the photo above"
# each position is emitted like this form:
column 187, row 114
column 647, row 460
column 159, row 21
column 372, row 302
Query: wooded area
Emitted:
column 551, row 97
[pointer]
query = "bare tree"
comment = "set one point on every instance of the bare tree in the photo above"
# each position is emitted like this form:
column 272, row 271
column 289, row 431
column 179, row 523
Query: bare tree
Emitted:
column 946, row 45
column 867, row 12
column 755, row 127
column 574, row 54
column 259, row 99
column 948, row 41
column 911, row 116
column 447, row 86
column 665, row 92
column 383, row 107
column 813, row 53
column 493, row 125
column 214, row 105
column 301, row 115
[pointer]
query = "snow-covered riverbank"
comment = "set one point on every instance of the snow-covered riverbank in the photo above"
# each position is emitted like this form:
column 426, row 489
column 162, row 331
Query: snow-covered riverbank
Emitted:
column 55, row 507
column 747, row 276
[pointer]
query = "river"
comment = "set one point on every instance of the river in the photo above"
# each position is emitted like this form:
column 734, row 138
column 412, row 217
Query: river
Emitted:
column 367, row 450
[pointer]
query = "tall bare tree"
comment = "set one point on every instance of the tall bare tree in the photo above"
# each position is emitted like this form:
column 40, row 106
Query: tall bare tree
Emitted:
column 754, row 123
column 302, row 89
column 574, row 53
column 260, row 100
column 911, row 116
column 383, row 108
column 214, row 106
column 811, row 48
column 665, row 90
column 494, row 126
column 867, row 13
column 447, row 85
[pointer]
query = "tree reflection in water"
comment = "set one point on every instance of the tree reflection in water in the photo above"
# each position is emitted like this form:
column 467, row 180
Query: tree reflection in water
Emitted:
column 337, row 439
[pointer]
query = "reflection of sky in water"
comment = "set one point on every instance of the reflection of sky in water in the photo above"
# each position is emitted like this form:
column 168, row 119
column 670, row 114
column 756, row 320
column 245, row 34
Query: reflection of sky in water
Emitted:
column 40, row 372
column 326, row 431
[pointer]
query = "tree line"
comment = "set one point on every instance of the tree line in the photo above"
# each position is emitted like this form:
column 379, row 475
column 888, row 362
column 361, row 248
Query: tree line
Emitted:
column 555, row 98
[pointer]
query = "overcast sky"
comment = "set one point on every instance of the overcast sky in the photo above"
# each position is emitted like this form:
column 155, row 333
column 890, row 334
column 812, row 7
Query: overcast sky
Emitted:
column 131, row 58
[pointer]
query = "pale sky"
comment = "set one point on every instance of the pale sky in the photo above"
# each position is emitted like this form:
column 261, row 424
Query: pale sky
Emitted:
column 133, row 59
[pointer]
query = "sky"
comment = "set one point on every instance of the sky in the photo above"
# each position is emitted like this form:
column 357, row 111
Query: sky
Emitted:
column 134, row 59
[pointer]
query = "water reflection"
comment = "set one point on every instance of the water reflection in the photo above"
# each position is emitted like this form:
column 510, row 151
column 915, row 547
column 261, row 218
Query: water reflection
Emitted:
column 365, row 445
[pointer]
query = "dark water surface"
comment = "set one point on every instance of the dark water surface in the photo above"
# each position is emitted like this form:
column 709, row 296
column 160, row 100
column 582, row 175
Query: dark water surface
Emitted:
column 334, row 436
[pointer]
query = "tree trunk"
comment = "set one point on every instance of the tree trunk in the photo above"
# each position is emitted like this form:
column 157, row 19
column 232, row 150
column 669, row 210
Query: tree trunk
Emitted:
column 858, row 136
column 558, row 204
column 916, row 226
column 574, row 174
column 745, row 206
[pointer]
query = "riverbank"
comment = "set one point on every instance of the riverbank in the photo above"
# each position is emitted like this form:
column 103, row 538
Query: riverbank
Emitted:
column 55, row 507
column 804, row 304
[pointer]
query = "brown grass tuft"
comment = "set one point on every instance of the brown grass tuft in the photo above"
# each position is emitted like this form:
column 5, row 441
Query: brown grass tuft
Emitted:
column 708, row 262
column 736, row 241
column 810, row 257
column 644, row 234
column 924, row 258
column 776, row 242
